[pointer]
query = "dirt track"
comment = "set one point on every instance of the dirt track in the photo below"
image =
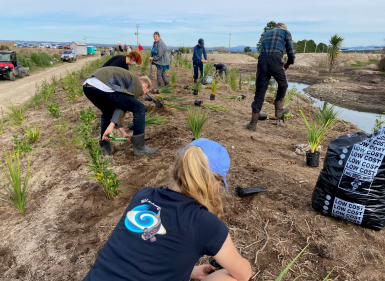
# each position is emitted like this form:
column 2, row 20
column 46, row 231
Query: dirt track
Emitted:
column 19, row 91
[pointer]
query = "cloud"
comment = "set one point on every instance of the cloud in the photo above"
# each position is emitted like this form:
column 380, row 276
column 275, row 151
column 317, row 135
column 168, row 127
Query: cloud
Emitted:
column 168, row 21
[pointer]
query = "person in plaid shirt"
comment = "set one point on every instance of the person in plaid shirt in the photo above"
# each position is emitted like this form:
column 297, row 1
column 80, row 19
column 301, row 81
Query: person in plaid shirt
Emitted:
column 270, row 63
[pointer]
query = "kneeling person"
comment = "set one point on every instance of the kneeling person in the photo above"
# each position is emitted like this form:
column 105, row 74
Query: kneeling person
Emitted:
column 114, row 91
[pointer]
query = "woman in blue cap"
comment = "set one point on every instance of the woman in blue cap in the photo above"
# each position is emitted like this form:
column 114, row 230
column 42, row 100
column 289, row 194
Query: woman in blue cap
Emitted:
column 163, row 232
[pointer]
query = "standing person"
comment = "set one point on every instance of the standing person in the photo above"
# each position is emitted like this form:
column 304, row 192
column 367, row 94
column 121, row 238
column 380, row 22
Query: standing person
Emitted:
column 114, row 91
column 128, row 49
column 221, row 68
column 102, row 52
column 172, row 54
column 132, row 58
column 197, row 59
column 159, row 57
column 163, row 232
column 140, row 48
column 118, row 49
column 111, row 51
column 270, row 64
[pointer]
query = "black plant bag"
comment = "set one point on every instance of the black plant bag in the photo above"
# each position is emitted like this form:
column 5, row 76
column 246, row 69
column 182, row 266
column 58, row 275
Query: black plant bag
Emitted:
column 351, row 184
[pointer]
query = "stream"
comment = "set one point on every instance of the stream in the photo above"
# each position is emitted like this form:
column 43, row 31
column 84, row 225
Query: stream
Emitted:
column 363, row 120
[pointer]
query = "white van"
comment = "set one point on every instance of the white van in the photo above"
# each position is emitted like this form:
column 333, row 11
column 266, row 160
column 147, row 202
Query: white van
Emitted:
column 42, row 45
column 48, row 45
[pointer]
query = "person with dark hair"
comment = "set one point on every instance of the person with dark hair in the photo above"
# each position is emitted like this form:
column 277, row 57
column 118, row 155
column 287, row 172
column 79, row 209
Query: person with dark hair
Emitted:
column 159, row 57
column 118, row 49
column 133, row 57
column 221, row 68
column 164, row 231
column 197, row 59
column 270, row 63
column 115, row 91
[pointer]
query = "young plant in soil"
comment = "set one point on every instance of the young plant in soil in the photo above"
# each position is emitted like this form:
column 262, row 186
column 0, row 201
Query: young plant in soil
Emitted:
column 327, row 113
column 166, row 90
column 240, row 82
column 1, row 122
column 153, row 118
column 15, row 189
column 234, row 97
column 16, row 115
column 53, row 109
column 195, row 121
column 33, row 134
column 214, row 107
column 36, row 99
column 174, row 76
column 99, row 166
column 214, row 87
column 145, row 64
column 20, row 145
column 177, row 106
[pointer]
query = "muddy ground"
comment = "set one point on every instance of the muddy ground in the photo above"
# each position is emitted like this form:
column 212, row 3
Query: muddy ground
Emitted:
column 68, row 219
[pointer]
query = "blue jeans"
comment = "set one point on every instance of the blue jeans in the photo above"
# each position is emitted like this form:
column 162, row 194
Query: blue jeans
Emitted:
column 197, row 64
column 108, row 102
column 223, row 69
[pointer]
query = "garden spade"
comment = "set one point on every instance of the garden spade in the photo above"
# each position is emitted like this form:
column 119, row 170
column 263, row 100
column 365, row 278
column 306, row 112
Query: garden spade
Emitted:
column 154, row 100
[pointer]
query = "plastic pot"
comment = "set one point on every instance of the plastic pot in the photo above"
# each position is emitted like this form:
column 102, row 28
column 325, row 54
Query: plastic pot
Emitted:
column 195, row 93
column 243, row 96
column 312, row 159
column 197, row 102
column 242, row 192
column 212, row 97
column 262, row 116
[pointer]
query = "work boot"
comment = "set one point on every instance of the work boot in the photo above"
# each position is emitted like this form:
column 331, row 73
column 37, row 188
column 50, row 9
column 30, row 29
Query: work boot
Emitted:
column 159, row 86
column 107, row 148
column 253, row 123
column 140, row 149
column 166, row 84
column 280, row 112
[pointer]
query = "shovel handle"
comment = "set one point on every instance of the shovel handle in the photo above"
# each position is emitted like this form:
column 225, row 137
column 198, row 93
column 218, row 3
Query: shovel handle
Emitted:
column 116, row 139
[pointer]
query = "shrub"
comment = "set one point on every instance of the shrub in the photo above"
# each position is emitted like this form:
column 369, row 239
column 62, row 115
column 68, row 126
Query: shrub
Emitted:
column 53, row 109
column 24, row 61
column 21, row 146
column 196, row 120
column 36, row 99
column 16, row 114
column 41, row 59
column 15, row 190
column 32, row 134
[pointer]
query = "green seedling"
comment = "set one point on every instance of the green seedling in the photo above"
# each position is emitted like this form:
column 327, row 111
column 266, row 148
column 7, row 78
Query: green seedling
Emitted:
column 113, row 138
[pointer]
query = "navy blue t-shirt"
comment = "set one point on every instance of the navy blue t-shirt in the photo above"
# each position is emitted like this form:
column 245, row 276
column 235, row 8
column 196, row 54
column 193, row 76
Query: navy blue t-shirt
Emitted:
column 161, row 236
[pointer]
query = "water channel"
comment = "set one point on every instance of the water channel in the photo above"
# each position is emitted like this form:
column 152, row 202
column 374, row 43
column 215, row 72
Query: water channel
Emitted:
column 363, row 120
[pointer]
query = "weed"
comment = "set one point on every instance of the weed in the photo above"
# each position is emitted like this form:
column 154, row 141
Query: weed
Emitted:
column 32, row 134
column 20, row 146
column 174, row 76
column 213, row 107
column 98, row 165
column 36, row 99
column 1, row 122
column 53, row 109
column 153, row 118
column 15, row 114
column 196, row 120
column 41, row 59
column 327, row 113
column 16, row 190
column 358, row 63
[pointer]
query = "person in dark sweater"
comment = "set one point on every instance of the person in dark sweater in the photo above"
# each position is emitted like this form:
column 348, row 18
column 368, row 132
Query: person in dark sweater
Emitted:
column 221, row 68
column 115, row 91
column 270, row 63
column 119, row 49
column 134, row 57
column 197, row 59
column 164, row 231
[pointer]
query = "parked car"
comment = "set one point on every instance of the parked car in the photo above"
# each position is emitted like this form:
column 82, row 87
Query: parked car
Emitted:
column 67, row 47
column 59, row 46
column 10, row 67
column 16, row 44
column 25, row 45
column 48, row 45
column 68, row 55
column 53, row 46
column 31, row 45
column 42, row 45
column 19, row 45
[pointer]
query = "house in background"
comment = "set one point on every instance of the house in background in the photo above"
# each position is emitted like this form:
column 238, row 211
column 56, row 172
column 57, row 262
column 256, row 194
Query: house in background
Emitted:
column 79, row 47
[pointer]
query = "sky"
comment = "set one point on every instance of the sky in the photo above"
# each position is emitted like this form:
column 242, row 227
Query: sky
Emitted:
column 182, row 23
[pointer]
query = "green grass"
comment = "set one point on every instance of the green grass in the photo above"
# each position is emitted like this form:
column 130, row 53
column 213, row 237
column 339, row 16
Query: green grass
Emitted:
column 196, row 120
column 177, row 106
column 53, row 109
column 16, row 114
column 15, row 190
column 213, row 107
column 234, row 97
column 33, row 134
column 153, row 118
column 174, row 76
column 166, row 90
column 327, row 114
column 373, row 61
column 41, row 59
column 358, row 63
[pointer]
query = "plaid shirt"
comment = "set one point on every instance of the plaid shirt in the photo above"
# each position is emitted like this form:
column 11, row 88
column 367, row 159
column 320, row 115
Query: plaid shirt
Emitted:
column 275, row 41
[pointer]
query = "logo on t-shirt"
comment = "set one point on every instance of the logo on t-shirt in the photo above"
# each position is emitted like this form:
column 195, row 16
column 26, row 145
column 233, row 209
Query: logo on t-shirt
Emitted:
column 141, row 220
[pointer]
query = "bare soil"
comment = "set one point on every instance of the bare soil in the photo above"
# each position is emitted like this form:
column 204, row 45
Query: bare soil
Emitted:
column 68, row 219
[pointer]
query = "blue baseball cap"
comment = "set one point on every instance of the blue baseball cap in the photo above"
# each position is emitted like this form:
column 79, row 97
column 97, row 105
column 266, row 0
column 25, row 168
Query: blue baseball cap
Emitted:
column 219, row 159
column 200, row 41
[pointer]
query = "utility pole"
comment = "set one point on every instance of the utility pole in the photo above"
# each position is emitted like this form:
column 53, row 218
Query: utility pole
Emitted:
column 85, row 40
column 304, row 49
column 229, row 42
column 137, row 35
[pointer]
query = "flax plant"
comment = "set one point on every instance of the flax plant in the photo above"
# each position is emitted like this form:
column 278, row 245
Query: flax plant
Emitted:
column 196, row 120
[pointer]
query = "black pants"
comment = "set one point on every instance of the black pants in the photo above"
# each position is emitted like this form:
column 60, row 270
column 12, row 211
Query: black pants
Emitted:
column 269, row 66
column 108, row 102
column 197, row 65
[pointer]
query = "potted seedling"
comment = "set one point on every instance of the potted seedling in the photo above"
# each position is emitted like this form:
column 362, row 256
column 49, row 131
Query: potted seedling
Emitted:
column 195, row 120
column 214, row 86
column 196, row 88
column 315, row 133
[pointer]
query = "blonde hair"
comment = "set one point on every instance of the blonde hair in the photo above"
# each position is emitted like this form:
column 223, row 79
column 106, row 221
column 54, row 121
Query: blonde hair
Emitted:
column 146, row 81
column 195, row 179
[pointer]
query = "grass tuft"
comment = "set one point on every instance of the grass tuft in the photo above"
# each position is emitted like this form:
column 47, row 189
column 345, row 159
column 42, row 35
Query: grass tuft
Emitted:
column 195, row 120
column 16, row 114
column 153, row 118
column 32, row 134
column 213, row 107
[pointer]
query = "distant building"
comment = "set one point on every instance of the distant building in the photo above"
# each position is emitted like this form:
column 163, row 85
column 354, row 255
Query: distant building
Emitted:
column 219, row 49
column 79, row 47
